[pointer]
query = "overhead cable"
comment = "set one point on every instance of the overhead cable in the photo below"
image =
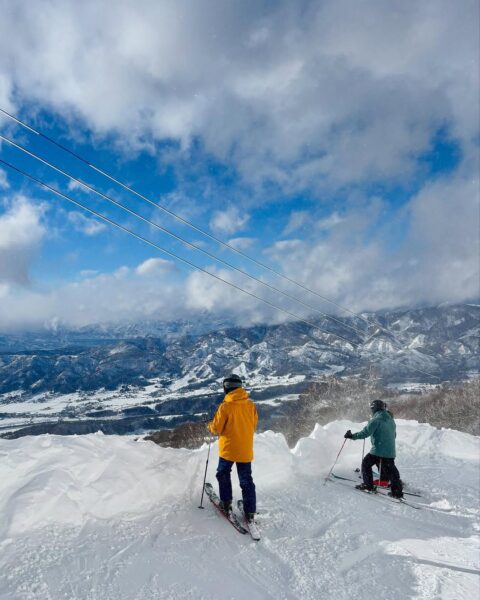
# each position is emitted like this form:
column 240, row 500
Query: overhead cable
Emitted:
column 172, row 254
column 174, row 235
column 185, row 261
column 191, row 225
column 198, row 229
column 178, row 217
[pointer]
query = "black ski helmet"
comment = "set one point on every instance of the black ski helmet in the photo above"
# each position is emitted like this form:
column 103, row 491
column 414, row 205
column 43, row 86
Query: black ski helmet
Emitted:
column 231, row 382
column 377, row 405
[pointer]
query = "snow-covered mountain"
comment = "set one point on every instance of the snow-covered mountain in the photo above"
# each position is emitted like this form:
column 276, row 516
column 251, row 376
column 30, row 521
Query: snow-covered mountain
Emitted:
column 115, row 518
column 124, row 384
column 441, row 341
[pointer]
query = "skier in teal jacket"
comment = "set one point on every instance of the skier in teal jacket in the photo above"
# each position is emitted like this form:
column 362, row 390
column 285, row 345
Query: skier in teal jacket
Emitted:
column 382, row 429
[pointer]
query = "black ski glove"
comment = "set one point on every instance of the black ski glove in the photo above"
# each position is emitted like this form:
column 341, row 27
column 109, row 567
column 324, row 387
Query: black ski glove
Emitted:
column 348, row 435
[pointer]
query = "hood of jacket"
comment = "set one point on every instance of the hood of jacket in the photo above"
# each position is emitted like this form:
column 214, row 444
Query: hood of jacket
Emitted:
column 237, row 395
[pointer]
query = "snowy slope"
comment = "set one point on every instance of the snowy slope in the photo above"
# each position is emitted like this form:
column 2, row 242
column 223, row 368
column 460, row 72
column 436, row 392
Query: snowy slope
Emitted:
column 104, row 517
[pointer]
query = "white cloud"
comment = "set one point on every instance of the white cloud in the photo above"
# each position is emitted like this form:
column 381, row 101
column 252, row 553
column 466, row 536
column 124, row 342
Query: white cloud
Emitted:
column 358, row 265
column 88, row 273
column 4, row 185
column 285, row 246
column 329, row 222
column 75, row 185
column 21, row 231
column 305, row 94
column 229, row 221
column 106, row 297
column 85, row 225
column 154, row 266
column 203, row 293
column 354, row 264
column 133, row 295
column 6, row 93
column 121, row 273
column 442, row 250
column 241, row 243
column 297, row 219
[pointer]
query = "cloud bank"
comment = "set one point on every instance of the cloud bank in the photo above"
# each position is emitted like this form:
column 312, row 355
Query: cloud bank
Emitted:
column 21, row 232
column 304, row 94
column 303, row 98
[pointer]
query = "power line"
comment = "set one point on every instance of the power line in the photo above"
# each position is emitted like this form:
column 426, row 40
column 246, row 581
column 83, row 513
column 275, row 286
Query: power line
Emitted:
column 175, row 236
column 183, row 260
column 178, row 217
column 186, row 222
column 212, row 237
column 169, row 253
column 205, row 233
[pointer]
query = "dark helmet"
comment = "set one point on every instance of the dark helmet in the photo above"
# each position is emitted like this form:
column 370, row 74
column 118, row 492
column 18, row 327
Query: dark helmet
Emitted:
column 232, row 382
column 377, row 405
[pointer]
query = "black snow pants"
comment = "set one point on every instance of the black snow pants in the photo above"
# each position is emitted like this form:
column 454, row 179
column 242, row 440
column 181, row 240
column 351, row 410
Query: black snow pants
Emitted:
column 386, row 468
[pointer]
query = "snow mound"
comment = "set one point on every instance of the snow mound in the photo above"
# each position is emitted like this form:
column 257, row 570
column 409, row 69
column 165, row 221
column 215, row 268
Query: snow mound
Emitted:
column 110, row 517
column 53, row 479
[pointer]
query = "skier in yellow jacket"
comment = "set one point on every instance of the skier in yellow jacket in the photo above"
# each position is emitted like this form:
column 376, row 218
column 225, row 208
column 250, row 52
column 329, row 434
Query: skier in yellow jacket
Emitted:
column 235, row 422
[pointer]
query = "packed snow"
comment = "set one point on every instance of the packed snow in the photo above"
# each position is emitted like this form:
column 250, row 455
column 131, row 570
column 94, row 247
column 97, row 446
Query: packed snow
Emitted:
column 114, row 518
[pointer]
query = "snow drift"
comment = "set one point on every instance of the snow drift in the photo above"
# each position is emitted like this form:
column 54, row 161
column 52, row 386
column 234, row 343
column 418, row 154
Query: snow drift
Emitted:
column 107, row 517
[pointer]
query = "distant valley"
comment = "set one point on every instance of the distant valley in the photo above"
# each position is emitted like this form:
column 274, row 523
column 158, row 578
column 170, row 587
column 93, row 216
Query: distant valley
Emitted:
column 136, row 377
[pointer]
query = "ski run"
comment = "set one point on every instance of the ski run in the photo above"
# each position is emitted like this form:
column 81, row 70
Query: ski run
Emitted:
column 99, row 517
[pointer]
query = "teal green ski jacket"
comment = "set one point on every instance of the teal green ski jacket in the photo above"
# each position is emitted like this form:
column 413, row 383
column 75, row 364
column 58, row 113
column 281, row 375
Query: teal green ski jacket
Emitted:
column 382, row 430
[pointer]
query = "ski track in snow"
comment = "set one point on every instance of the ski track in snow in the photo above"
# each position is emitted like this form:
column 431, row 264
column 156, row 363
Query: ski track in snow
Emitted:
column 105, row 517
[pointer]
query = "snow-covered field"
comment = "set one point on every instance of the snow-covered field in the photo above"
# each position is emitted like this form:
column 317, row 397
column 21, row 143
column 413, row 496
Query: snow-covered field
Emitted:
column 111, row 518
column 16, row 411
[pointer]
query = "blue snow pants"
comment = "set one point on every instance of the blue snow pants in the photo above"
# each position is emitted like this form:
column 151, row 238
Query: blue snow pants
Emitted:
column 244, row 471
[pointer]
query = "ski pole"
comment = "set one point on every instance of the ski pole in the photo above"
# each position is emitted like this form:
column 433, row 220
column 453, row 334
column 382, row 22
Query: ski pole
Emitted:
column 359, row 470
column 205, row 476
column 329, row 473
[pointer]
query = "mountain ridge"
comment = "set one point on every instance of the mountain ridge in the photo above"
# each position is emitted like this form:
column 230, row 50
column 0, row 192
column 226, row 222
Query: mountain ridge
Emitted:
column 144, row 383
column 405, row 345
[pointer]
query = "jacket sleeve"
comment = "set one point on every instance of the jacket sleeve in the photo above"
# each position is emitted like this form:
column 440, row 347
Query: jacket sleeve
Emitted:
column 255, row 417
column 366, row 431
column 217, row 424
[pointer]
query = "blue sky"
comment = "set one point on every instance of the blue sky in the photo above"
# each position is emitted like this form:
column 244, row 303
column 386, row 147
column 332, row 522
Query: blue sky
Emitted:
column 338, row 147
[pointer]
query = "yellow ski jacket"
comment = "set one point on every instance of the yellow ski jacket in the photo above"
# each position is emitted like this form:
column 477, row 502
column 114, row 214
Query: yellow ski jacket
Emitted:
column 235, row 422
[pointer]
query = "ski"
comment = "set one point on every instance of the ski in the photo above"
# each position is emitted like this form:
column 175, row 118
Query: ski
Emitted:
column 231, row 517
column 251, row 526
column 382, row 492
column 381, row 487
column 379, row 494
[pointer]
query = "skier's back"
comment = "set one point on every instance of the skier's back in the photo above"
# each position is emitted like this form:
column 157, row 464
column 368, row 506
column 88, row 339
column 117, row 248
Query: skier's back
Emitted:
column 382, row 429
column 235, row 422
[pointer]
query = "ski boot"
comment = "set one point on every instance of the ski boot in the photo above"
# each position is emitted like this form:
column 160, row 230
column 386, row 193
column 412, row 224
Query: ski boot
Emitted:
column 397, row 495
column 363, row 487
column 226, row 507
